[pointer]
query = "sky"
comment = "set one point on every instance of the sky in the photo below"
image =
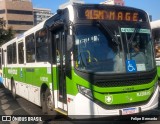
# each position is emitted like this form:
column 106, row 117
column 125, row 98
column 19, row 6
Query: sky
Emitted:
column 152, row 7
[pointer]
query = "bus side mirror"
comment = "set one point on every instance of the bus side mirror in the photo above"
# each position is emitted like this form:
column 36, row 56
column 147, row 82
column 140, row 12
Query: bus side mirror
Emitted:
column 69, row 42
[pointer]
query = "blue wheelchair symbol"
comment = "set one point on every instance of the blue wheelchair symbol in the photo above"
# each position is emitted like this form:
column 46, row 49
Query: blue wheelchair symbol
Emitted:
column 131, row 66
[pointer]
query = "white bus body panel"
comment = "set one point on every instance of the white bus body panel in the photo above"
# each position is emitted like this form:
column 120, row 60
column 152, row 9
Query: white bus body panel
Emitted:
column 29, row 92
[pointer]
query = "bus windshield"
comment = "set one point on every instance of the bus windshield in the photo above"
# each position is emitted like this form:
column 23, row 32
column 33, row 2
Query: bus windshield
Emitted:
column 101, row 50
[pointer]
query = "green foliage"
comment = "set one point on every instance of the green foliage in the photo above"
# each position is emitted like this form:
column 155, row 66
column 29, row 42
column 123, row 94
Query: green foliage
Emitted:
column 5, row 34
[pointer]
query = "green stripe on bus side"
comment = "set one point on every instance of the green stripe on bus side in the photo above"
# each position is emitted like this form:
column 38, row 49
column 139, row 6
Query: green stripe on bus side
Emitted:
column 158, row 71
column 33, row 76
column 37, row 75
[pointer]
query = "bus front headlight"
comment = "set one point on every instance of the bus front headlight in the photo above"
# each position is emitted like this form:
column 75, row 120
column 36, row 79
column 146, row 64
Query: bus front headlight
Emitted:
column 86, row 92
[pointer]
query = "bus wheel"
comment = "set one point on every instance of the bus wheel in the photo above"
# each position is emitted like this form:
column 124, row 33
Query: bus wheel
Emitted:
column 13, row 89
column 47, row 105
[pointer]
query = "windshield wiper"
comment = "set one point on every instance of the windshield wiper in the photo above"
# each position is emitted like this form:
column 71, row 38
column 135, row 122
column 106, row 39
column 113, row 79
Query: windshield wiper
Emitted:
column 115, row 39
column 128, row 53
column 113, row 36
column 106, row 29
column 137, row 26
column 129, row 42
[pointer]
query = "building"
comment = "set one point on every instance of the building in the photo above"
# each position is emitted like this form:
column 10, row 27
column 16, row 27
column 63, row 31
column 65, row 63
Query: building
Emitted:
column 41, row 14
column 17, row 13
column 114, row 2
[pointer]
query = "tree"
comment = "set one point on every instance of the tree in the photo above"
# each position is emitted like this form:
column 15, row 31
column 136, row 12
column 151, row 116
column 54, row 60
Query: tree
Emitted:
column 5, row 34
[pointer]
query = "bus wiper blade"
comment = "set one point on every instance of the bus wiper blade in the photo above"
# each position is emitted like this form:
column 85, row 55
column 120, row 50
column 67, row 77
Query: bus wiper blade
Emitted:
column 113, row 36
column 134, row 33
column 115, row 39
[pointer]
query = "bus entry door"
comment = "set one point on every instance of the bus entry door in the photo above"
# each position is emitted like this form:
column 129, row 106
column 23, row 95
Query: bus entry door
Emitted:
column 60, row 43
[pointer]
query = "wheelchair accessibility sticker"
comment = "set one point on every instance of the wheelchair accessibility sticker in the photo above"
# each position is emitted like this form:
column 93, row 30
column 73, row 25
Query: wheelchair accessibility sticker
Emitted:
column 131, row 66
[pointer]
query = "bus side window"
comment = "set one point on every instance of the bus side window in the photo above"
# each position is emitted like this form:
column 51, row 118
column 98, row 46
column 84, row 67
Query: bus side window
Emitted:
column 14, row 55
column 9, row 54
column 41, row 46
column 2, row 57
column 20, row 53
column 30, row 48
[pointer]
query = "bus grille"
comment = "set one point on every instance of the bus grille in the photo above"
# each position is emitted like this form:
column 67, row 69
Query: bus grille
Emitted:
column 122, row 83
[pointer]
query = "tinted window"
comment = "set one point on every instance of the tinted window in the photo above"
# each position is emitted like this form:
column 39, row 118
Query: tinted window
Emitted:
column 14, row 53
column 20, row 53
column 9, row 54
column 2, row 11
column 2, row 57
column 19, row 12
column 20, row 22
column 30, row 48
column 41, row 46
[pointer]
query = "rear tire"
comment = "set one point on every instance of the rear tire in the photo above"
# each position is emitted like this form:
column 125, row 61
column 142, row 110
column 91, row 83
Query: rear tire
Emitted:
column 13, row 89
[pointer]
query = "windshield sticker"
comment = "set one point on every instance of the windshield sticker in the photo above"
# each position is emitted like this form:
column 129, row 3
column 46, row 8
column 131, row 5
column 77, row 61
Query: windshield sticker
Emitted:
column 131, row 30
column 141, row 67
column 131, row 66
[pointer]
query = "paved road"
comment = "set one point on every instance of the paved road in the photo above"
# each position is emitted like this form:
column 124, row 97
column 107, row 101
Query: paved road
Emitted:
column 19, row 107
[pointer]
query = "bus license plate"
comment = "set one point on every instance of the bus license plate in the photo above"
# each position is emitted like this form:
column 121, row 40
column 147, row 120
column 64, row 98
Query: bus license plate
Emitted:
column 128, row 111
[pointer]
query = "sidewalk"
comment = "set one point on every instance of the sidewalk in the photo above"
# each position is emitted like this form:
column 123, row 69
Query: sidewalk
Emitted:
column 9, row 106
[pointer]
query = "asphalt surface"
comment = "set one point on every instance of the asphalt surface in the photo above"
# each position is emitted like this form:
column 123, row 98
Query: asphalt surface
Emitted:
column 24, row 109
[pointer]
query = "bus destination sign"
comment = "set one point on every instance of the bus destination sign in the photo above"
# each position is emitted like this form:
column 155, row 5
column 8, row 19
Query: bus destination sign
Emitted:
column 111, row 15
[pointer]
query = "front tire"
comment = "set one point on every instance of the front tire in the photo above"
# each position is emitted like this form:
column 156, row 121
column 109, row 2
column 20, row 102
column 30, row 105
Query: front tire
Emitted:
column 47, row 105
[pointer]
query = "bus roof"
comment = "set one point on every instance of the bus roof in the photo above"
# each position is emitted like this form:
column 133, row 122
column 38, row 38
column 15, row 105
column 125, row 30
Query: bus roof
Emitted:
column 155, row 24
column 108, row 5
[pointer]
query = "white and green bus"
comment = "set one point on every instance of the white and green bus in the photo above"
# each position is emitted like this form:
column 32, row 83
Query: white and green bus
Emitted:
column 82, row 61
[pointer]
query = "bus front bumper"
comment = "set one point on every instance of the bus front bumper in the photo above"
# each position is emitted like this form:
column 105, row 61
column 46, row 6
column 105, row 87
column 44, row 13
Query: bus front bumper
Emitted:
column 86, row 108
